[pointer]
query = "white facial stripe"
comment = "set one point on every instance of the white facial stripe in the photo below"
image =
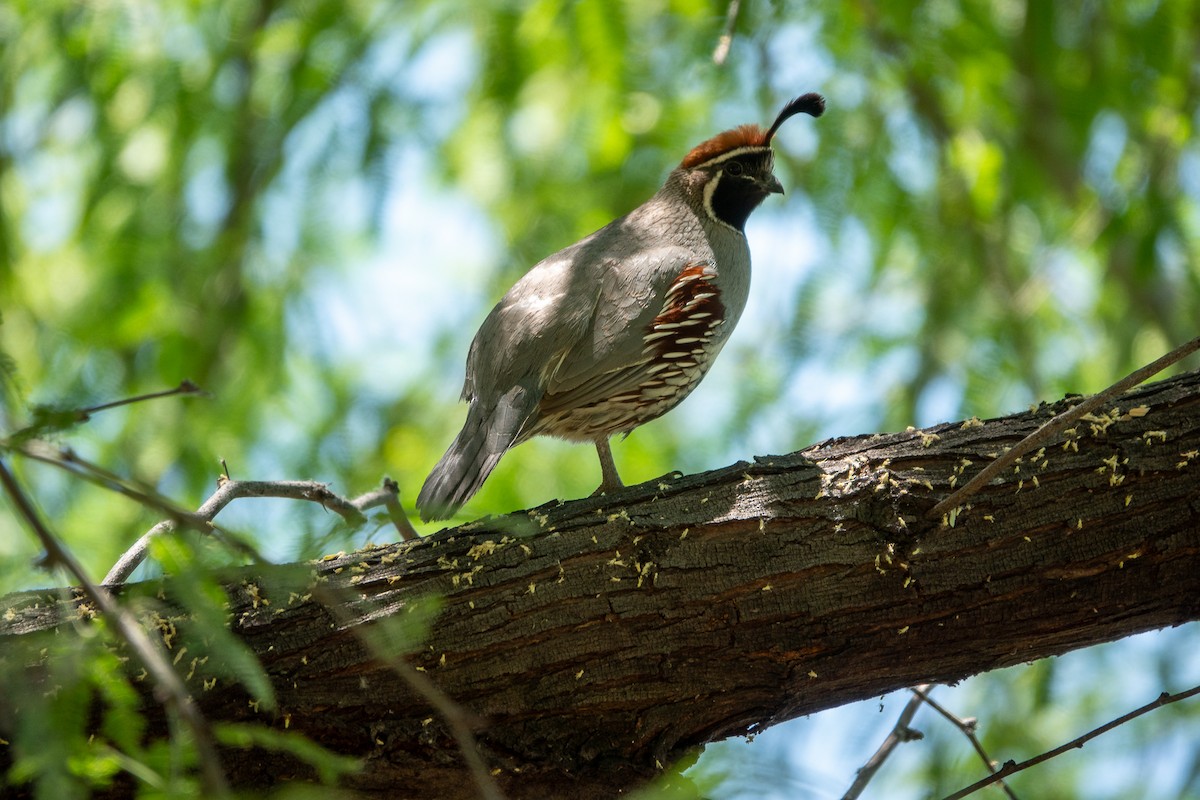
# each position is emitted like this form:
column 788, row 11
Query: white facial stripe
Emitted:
column 740, row 151
column 710, row 188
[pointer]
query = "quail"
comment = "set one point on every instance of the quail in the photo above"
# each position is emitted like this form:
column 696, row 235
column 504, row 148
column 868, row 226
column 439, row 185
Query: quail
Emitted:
column 618, row 328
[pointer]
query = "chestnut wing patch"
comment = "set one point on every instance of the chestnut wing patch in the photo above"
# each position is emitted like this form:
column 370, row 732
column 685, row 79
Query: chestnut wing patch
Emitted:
column 690, row 315
column 677, row 348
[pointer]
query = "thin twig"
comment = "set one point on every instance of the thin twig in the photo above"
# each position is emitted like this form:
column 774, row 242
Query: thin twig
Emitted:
column 227, row 492
column 968, row 729
column 1060, row 423
column 726, row 41
column 51, row 419
column 901, row 732
column 1011, row 768
column 70, row 462
column 377, row 497
column 391, row 502
column 458, row 719
column 184, row 388
column 168, row 687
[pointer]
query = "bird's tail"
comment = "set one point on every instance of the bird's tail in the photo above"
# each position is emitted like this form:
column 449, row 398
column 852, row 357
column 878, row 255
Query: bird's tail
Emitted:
column 485, row 437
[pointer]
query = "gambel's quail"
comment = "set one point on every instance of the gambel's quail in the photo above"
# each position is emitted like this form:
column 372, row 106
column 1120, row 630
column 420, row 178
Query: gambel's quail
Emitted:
column 616, row 329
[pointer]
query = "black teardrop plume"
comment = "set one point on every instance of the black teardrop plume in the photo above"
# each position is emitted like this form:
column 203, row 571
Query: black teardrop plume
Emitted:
column 811, row 103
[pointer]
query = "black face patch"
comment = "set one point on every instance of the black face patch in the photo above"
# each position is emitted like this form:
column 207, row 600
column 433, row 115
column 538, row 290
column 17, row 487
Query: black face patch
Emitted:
column 739, row 187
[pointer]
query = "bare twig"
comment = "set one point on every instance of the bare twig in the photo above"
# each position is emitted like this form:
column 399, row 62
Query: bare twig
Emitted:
column 391, row 502
column 1011, row 768
column 901, row 732
column 69, row 461
column 967, row 726
column 459, row 720
column 184, row 388
column 1060, row 423
column 386, row 493
column 229, row 490
column 169, row 689
column 51, row 419
column 726, row 41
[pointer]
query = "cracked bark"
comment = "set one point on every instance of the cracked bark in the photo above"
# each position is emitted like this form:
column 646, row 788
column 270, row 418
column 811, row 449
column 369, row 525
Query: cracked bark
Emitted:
column 601, row 639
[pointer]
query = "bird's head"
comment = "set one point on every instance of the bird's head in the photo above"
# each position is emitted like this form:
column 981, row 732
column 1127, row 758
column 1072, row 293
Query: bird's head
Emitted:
column 735, row 168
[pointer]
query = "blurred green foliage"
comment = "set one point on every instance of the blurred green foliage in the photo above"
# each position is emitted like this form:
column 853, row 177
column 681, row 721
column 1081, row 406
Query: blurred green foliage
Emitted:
column 999, row 207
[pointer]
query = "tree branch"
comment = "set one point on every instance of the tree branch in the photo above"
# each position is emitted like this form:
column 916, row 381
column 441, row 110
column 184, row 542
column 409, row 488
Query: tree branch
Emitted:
column 1011, row 768
column 604, row 638
column 185, row 387
column 229, row 490
column 900, row 733
column 459, row 721
column 725, row 42
column 967, row 726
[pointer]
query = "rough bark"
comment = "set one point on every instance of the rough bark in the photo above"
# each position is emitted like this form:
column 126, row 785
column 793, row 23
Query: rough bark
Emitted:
column 600, row 639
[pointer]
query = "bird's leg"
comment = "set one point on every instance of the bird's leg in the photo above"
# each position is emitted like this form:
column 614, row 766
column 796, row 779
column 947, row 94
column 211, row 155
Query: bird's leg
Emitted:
column 610, row 480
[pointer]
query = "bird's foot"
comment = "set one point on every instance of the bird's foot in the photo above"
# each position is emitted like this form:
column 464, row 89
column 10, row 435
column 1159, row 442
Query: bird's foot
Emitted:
column 607, row 487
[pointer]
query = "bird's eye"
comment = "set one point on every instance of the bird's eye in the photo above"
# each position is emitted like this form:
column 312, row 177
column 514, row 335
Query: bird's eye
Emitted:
column 734, row 168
